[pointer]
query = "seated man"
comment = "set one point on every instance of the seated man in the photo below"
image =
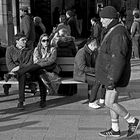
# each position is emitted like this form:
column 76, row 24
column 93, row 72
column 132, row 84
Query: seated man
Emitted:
column 18, row 57
column 84, row 70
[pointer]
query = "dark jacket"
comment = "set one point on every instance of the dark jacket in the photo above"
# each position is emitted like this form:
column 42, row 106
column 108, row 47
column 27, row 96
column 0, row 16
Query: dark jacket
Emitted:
column 84, row 63
column 96, row 32
column 16, row 57
column 27, row 27
column 66, row 47
column 113, row 62
column 73, row 26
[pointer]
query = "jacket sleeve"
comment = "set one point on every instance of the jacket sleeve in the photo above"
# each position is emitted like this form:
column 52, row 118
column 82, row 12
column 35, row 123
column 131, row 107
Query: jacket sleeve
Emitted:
column 81, row 63
column 27, row 26
column 118, row 51
column 9, row 60
column 49, row 60
column 133, row 29
column 26, row 58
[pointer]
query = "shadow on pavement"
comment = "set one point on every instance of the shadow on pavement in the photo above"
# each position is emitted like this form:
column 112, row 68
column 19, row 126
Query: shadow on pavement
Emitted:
column 16, row 126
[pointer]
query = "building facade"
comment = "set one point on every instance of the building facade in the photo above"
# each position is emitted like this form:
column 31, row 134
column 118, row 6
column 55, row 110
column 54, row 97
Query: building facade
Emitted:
column 10, row 19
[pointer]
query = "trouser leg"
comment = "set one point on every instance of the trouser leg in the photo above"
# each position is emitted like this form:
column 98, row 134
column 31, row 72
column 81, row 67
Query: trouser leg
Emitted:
column 22, row 80
column 103, row 91
column 111, row 101
column 94, row 91
column 42, row 88
column 31, row 68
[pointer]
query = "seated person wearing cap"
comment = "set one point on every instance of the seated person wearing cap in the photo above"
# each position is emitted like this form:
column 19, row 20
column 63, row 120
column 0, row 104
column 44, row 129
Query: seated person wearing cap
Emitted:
column 84, row 70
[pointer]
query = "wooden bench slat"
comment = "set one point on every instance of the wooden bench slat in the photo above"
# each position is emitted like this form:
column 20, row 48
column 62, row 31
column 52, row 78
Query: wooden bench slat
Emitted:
column 70, row 81
column 65, row 60
column 63, row 81
column 9, row 82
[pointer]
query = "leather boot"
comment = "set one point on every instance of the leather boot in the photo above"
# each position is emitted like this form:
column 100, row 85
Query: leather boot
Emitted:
column 46, row 82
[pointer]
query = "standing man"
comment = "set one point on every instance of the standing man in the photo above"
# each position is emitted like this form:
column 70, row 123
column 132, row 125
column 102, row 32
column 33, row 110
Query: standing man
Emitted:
column 27, row 26
column 71, row 20
column 113, row 69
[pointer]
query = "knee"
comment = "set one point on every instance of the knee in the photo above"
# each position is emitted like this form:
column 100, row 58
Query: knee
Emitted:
column 108, row 104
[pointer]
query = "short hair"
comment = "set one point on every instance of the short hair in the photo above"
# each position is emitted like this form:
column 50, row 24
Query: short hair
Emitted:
column 94, row 19
column 90, row 41
column 70, row 13
column 136, row 15
column 62, row 18
column 18, row 36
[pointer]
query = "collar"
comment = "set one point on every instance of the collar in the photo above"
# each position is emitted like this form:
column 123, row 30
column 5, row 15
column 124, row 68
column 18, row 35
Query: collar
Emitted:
column 112, row 24
column 88, row 50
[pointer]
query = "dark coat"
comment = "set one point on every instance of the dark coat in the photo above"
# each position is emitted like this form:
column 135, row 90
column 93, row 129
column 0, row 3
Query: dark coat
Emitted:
column 113, row 62
column 84, row 63
column 17, row 57
column 27, row 27
column 73, row 26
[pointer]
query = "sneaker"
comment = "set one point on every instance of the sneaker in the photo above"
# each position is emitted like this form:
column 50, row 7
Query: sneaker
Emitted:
column 110, row 133
column 133, row 128
column 20, row 106
column 94, row 105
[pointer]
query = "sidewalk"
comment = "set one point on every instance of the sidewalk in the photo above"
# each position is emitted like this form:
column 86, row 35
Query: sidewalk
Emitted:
column 64, row 118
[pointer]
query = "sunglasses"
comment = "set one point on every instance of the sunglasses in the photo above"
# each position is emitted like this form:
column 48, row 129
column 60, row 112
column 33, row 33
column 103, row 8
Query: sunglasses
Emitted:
column 24, row 39
column 45, row 40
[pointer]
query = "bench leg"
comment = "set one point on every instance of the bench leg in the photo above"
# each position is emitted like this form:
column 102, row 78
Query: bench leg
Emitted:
column 82, row 90
column 6, row 88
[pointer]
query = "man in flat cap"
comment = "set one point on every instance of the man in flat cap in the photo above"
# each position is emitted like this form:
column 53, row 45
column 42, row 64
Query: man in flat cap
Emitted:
column 113, row 69
column 27, row 26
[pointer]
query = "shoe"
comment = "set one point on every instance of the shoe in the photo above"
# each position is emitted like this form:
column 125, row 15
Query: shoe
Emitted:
column 42, row 104
column 20, row 106
column 100, row 104
column 94, row 105
column 110, row 133
column 7, row 77
column 133, row 128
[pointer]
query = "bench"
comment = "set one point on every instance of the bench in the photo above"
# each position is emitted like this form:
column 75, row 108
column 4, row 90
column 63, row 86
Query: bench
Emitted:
column 67, row 65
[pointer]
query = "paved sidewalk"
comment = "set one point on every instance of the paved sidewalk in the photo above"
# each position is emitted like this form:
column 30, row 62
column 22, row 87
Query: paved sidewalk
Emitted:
column 64, row 118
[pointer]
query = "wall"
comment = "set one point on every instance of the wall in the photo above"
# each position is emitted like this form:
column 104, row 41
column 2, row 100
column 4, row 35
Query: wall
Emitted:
column 3, row 21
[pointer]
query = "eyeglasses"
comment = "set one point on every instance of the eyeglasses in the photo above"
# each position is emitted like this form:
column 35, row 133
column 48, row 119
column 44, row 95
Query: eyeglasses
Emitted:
column 45, row 40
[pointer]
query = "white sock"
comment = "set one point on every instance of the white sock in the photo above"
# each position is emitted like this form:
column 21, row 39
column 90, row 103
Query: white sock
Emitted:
column 115, row 124
column 101, row 101
column 129, row 118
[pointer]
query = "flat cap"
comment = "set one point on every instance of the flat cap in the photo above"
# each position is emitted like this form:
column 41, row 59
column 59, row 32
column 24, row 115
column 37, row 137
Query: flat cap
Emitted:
column 109, row 12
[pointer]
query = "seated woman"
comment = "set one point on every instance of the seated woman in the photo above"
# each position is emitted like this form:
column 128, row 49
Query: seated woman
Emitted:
column 64, row 43
column 44, row 58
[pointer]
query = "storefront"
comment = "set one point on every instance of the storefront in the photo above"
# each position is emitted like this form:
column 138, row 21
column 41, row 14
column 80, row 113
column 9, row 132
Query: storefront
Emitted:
column 10, row 19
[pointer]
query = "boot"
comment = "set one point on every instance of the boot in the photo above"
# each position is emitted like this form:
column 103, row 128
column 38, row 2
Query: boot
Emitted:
column 47, row 82
column 42, row 104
